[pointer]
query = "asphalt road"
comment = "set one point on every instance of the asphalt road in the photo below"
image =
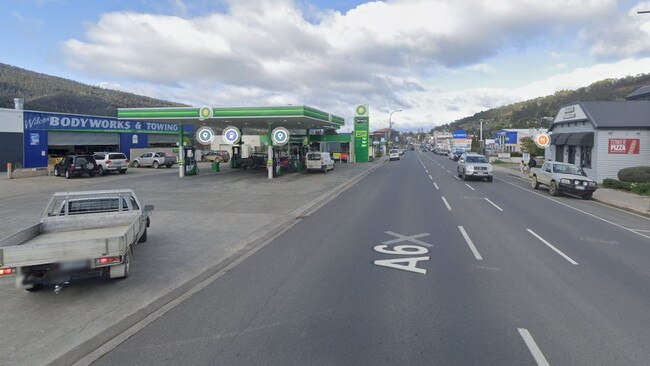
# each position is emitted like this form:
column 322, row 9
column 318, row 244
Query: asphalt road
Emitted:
column 493, row 274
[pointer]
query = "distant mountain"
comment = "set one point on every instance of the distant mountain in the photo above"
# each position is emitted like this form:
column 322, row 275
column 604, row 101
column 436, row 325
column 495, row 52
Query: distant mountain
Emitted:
column 529, row 114
column 54, row 94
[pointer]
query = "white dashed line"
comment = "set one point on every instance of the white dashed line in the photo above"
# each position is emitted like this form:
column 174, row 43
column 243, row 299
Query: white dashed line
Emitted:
column 477, row 255
column 532, row 347
column 554, row 248
column 470, row 187
column 435, row 185
column 455, row 176
column 446, row 203
column 492, row 203
column 430, row 177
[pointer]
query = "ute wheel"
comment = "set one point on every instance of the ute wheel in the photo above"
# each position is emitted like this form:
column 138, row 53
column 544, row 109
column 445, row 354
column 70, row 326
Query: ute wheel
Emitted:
column 143, row 238
column 123, row 171
column 67, row 174
column 588, row 196
column 136, row 164
column 56, row 172
column 100, row 170
column 155, row 165
column 490, row 179
column 35, row 287
column 465, row 175
column 458, row 172
column 169, row 166
column 553, row 189
column 534, row 182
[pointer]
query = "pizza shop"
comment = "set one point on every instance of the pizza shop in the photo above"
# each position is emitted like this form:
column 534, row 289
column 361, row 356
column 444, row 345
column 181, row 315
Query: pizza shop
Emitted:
column 603, row 137
column 45, row 135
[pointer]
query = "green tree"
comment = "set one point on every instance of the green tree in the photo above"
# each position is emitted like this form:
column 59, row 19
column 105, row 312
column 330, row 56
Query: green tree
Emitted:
column 476, row 145
column 529, row 146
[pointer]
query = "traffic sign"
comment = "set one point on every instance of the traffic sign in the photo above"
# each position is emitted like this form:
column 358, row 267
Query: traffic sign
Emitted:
column 543, row 140
column 231, row 135
column 205, row 135
column 280, row 136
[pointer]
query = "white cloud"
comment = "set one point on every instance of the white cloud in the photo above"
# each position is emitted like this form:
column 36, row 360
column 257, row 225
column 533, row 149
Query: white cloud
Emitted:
column 483, row 68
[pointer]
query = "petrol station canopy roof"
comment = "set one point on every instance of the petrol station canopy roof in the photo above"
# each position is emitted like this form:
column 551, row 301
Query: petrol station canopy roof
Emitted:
column 290, row 117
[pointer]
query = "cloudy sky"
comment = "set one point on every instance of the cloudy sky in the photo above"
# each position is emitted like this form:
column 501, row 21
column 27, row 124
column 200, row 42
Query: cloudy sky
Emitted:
column 438, row 60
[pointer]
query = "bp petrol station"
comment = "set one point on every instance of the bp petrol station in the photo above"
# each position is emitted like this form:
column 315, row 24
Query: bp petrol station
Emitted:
column 274, row 124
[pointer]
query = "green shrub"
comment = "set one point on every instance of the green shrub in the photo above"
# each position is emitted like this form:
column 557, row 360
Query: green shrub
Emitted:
column 638, row 188
column 638, row 174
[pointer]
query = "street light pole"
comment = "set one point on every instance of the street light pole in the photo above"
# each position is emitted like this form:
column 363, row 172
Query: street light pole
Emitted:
column 390, row 124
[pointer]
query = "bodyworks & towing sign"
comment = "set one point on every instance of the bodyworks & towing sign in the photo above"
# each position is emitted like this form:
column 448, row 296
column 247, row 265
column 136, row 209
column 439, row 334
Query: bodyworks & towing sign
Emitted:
column 65, row 122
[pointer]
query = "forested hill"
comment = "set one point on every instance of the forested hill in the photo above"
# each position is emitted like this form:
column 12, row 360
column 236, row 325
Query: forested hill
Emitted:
column 529, row 113
column 54, row 94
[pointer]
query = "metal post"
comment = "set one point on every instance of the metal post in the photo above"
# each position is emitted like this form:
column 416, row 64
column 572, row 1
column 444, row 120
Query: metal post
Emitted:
column 269, row 155
column 181, row 153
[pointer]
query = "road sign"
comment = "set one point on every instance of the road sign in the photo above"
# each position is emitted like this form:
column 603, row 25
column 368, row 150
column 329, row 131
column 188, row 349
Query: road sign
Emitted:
column 231, row 135
column 280, row 136
column 543, row 140
column 205, row 135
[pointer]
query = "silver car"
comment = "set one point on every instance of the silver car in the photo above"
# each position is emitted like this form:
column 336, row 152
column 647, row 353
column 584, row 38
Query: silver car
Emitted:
column 472, row 165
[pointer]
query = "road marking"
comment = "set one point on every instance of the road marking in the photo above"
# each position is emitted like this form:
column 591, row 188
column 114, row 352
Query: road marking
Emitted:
column 455, row 176
column 470, row 187
column 492, row 203
column 573, row 208
column 532, row 347
column 411, row 239
column 430, row 177
column 477, row 255
column 446, row 203
column 435, row 185
column 554, row 248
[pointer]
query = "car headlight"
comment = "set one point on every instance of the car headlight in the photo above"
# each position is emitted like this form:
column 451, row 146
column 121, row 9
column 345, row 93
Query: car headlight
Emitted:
column 585, row 183
column 576, row 182
column 565, row 181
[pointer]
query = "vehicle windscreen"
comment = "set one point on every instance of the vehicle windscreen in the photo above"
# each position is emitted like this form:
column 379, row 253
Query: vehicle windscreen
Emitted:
column 313, row 156
column 83, row 160
column 117, row 156
column 394, row 151
column 567, row 169
column 476, row 159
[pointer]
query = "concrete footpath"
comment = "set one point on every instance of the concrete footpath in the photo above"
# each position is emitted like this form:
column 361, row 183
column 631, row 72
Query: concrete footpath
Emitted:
column 200, row 224
column 620, row 199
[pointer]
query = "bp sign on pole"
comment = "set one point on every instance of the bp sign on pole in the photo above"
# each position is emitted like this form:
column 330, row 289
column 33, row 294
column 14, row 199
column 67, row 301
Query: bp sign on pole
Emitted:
column 361, row 132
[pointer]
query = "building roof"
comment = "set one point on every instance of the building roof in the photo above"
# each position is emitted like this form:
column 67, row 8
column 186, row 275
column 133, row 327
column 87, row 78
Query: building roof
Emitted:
column 633, row 114
column 641, row 93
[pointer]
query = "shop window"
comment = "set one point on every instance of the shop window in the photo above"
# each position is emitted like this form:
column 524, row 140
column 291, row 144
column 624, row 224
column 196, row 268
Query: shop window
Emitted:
column 572, row 154
column 559, row 153
column 585, row 156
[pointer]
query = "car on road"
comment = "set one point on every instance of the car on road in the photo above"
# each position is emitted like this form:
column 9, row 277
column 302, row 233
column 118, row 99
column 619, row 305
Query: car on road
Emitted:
column 563, row 177
column 472, row 165
column 155, row 160
column 455, row 154
column 111, row 162
column 217, row 156
column 393, row 154
column 319, row 161
column 76, row 166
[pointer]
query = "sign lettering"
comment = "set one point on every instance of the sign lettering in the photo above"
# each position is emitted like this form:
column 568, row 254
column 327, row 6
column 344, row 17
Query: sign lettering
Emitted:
column 624, row 146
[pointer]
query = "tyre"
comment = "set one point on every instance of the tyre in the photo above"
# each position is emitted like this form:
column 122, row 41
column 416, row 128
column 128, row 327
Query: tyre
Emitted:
column 143, row 238
column 100, row 170
column 552, row 189
column 458, row 172
column 324, row 169
column 490, row 179
column 534, row 182
column 136, row 164
column 169, row 165
column 588, row 196
column 123, row 171
column 56, row 172
column 67, row 174
column 35, row 287
column 465, row 176
column 156, row 165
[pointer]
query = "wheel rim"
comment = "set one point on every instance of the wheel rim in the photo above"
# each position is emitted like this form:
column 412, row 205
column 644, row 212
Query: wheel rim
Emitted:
column 100, row 170
column 552, row 188
column 534, row 182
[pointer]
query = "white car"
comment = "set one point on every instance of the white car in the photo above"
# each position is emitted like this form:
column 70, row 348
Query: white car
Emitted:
column 393, row 154
column 472, row 165
column 320, row 161
column 111, row 162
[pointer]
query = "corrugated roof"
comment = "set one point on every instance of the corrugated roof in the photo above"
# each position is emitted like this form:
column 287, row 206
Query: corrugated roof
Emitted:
column 615, row 114
column 641, row 93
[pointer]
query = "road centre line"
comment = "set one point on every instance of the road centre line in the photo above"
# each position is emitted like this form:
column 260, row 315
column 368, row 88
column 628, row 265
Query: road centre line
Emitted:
column 435, row 185
column 455, row 176
column 492, row 203
column 573, row 208
column 470, row 187
column 532, row 347
column 430, row 177
column 554, row 248
column 477, row 255
column 446, row 203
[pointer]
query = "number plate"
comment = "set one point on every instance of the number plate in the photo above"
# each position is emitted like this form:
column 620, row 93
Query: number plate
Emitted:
column 73, row 266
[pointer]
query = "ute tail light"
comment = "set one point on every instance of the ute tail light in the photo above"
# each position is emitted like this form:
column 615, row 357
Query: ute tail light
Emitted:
column 6, row 271
column 108, row 260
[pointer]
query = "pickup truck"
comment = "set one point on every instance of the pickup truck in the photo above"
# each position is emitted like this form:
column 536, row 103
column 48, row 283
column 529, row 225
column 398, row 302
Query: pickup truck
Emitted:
column 80, row 235
column 155, row 160
column 256, row 160
column 563, row 177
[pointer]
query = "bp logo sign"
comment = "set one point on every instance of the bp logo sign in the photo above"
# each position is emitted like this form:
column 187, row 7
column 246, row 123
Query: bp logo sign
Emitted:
column 543, row 140
column 205, row 113
column 362, row 110
column 231, row 135
column 280, row 136
column 205, row 135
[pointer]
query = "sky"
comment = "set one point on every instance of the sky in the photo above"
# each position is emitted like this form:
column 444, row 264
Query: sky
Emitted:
column 436, row 60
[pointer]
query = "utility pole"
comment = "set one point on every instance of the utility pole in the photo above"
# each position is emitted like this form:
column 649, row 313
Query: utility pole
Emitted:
column 390, row 124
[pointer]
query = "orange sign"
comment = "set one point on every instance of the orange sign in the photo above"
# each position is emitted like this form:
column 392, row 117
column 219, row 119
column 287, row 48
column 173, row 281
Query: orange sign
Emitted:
column 542, row 140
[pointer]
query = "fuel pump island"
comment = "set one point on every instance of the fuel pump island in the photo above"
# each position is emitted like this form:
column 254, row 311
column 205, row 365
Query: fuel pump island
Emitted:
column 275, row 124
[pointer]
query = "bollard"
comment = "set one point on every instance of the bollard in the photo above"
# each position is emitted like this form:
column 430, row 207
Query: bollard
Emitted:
column 217, row 167
column 9, row 172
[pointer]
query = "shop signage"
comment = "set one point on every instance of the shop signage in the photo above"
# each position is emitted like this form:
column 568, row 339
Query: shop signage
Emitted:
column 34, row 139
column 542, row 140
column 66, row 122
column 460, row 134
column 624, row 146
column 361, row 129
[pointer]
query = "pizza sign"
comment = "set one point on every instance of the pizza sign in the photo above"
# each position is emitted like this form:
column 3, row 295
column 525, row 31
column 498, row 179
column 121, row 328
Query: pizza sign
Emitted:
column 624, row 146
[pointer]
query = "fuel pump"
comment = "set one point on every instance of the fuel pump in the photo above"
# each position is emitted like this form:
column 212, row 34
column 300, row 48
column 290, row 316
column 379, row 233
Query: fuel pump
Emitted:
column 189, row 163
column 235, row 160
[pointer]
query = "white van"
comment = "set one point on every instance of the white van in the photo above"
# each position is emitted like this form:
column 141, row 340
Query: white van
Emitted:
column 393, row 154
column 319, row 161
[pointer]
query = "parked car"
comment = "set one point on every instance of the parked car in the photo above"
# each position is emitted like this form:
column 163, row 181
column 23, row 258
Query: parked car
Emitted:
column 256, row 160
column 472, row 165
column 218, row 156
column 155, row 160
column 319, row 161
column 455, row 154
column 563, row 177
column 76, row 166
column 393, row 154
column 111, row 162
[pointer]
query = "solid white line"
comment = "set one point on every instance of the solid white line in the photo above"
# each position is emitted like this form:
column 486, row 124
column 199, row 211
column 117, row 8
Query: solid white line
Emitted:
column 498, row 208
column 532, row 347
column 573, row 208
column 435, row 185
column 470, row 244
column 470, row 187
column 446, row 203
column 554, row 248
column 430, row 177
